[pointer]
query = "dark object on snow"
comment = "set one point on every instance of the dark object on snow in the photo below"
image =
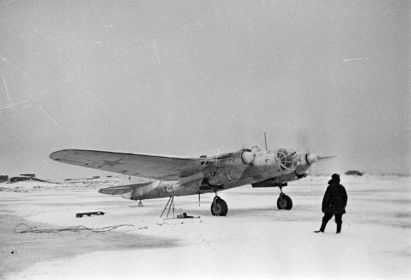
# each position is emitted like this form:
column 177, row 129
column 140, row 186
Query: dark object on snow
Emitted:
column 185, row 216
column 31, row 175
column 4, row 178
column 19, row 179
column 354, row 173
column 89, row 214
column 334, row 203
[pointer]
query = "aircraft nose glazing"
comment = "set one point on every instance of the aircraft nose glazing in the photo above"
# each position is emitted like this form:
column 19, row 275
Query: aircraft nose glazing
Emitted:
column 286, row 158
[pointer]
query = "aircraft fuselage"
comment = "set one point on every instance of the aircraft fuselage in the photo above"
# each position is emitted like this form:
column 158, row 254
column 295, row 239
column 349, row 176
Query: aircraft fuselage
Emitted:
column 229, row 171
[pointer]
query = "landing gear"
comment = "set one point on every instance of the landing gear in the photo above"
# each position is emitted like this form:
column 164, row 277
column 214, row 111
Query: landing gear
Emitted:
column 284, row 201
column 140, row 204
column 219, row 207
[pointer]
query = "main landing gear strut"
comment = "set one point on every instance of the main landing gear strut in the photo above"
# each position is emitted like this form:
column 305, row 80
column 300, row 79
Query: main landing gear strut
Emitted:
column 219, row 207
column 284, row 201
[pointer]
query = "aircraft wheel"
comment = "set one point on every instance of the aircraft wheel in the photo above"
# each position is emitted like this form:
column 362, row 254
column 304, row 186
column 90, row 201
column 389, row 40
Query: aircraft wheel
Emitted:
column 284, row 202
column 219, row 207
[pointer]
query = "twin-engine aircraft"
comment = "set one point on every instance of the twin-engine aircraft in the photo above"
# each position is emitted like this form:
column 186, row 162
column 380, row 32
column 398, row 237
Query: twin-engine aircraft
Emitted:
column 178, row 176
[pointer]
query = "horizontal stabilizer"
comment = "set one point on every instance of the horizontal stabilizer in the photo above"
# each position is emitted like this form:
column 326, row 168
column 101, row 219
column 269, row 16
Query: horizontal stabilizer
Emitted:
column 119, row 190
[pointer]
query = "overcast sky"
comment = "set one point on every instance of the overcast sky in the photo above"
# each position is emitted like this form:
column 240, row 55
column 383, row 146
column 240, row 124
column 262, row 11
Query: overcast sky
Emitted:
column 204, row 77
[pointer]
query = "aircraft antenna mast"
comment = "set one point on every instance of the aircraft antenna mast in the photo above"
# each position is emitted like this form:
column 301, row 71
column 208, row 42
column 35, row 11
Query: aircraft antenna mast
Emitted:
column 265, row 140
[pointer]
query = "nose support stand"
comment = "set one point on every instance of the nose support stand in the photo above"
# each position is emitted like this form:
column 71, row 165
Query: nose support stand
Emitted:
column 169, row 205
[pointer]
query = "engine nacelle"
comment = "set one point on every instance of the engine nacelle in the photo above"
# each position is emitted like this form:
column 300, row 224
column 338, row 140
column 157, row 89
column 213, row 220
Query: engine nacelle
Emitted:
column 304, row 162
column 247, row 156
column 228, row 168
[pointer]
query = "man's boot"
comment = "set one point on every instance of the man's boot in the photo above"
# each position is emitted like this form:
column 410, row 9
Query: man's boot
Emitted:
column 322, row 228
column 339, row 227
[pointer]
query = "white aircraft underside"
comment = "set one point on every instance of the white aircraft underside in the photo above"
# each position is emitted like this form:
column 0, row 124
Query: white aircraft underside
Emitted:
column 178, row 176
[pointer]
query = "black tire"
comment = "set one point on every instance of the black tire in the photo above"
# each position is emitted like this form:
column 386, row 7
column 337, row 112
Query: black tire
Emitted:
column 219, row 207
column 284, row 202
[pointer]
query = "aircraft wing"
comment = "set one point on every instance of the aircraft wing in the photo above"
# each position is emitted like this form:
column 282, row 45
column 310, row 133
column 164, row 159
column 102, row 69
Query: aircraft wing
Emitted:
column 148, row 166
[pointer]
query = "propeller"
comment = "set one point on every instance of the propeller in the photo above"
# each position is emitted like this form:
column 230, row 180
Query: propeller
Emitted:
column 307, row 158
column 302, row 139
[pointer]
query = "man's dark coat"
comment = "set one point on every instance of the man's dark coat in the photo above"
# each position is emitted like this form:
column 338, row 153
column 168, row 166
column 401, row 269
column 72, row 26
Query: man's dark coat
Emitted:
column 335, row 198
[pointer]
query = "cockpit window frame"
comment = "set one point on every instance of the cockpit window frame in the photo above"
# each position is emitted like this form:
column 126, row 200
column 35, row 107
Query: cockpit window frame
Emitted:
column 285, row 158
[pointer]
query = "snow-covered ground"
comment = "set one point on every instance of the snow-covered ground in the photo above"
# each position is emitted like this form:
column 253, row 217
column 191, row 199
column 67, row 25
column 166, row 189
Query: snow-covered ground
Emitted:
column 255, row 240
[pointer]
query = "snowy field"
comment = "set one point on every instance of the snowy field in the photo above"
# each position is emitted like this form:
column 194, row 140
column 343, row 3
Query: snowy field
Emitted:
column 254, row 241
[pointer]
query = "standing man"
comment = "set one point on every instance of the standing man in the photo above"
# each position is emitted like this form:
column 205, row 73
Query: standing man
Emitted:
column 334, row 203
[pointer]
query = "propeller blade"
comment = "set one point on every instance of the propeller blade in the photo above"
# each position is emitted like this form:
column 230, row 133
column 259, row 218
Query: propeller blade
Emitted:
column 311, row 158
column 326, row 157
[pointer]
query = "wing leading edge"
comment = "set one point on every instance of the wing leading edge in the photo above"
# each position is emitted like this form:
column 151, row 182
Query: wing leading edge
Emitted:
column 148, row 166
